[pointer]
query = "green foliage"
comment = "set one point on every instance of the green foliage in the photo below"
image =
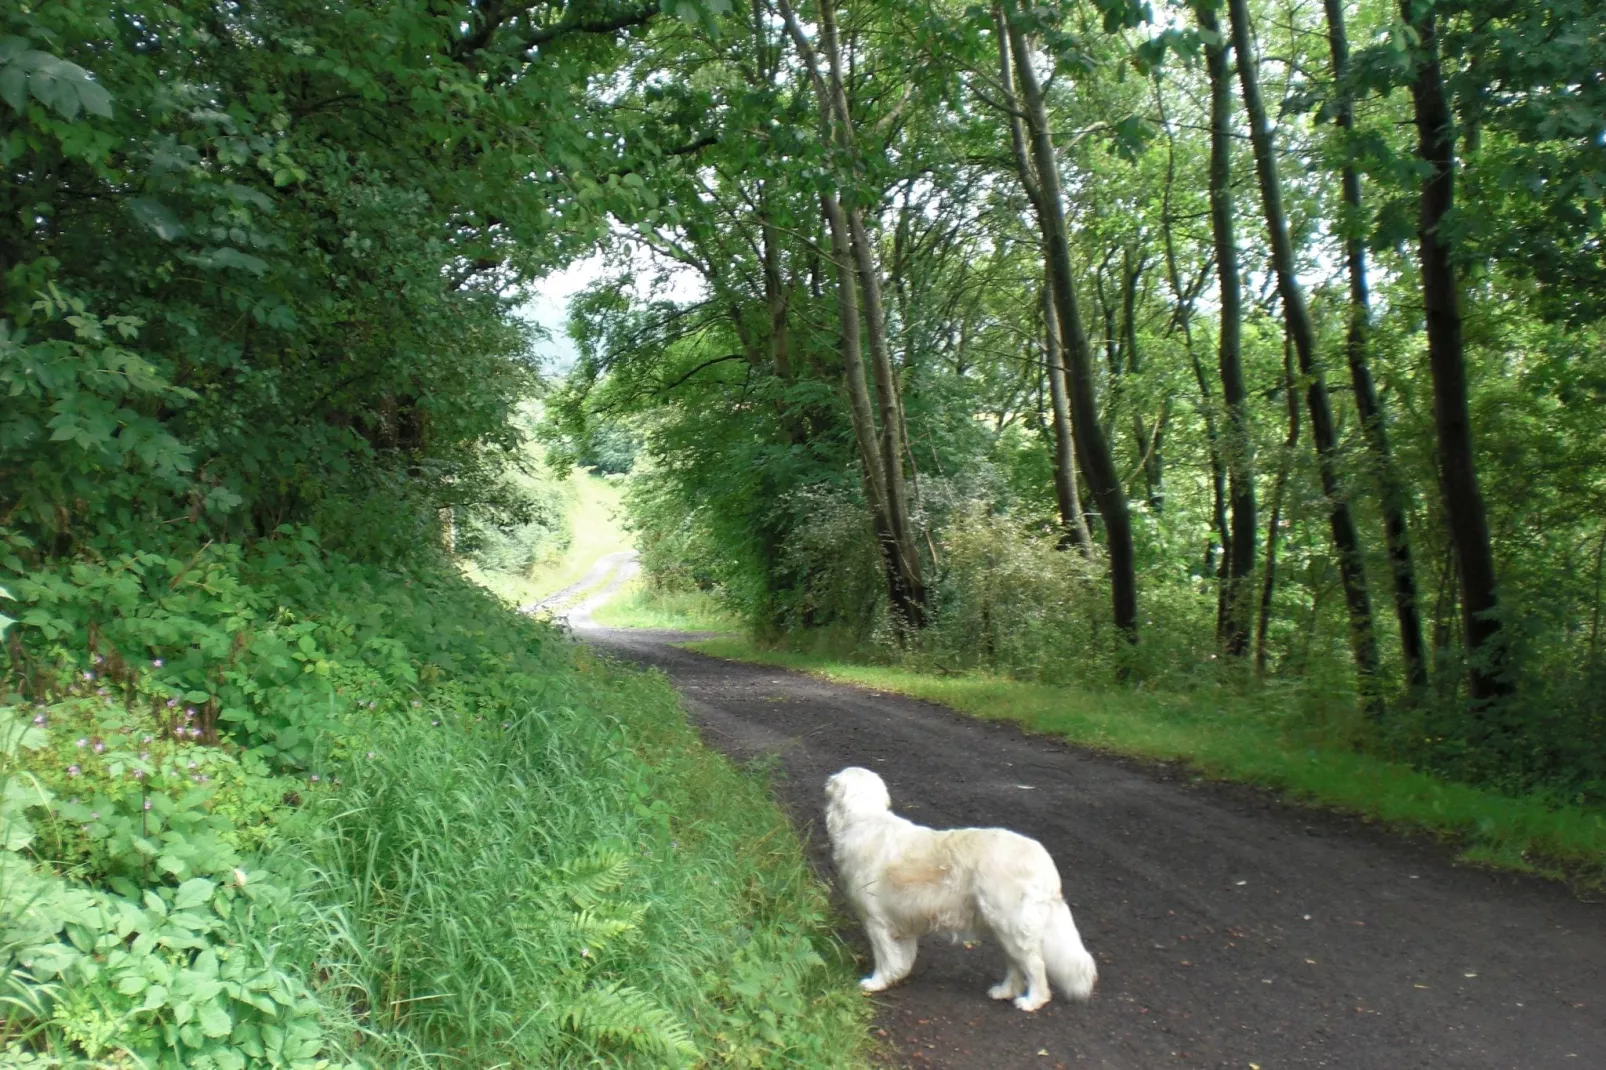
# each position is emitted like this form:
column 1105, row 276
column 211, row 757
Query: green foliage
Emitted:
column 257, row 346
column 751, row 485
column 402, row 826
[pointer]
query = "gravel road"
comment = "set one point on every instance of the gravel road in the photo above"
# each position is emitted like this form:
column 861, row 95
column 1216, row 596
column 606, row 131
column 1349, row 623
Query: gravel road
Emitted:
column 1230, row 930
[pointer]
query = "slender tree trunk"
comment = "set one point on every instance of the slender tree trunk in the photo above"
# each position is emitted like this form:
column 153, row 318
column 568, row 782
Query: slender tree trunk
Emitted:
column 1346, row 539
column 1092, row 446
column 1066, row 491
column 1463, row 498
column 893, row 530
column 1068, row 495
column 1183, row 318
column 891, row 411
column 911, row 604
column 1268, row 584
column 1393, row 494
column 1150, row 441
column 1238, row 445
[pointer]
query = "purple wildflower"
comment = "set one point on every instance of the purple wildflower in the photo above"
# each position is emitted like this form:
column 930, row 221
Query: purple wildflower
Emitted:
column 139, row 774
column 100, row 747
column 73, row 770
column 191, row 764
column 316, row 778
column 156, row 663
column 147, row 804
column 89, row 676
column 94, row 815
column 39, row 719
column 81, row 743
column 172, row 702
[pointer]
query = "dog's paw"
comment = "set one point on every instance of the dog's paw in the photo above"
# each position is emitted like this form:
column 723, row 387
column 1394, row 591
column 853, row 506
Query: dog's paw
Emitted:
column 872, row 984
column 1027, row 1003
column 1003, row 990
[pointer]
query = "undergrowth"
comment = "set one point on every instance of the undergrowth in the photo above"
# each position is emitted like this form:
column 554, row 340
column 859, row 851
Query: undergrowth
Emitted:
column 1283, row 739
column 274, row 808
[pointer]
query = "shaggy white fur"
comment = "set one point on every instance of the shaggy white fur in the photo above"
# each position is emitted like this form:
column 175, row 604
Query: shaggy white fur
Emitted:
column 906, row 880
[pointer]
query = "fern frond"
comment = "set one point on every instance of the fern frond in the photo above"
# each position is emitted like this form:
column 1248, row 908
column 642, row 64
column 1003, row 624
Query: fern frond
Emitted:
column 621, row 1016
column 586, row 880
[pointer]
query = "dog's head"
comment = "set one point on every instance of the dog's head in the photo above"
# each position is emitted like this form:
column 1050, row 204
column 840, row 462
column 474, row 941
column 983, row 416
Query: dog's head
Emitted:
column 855, row 791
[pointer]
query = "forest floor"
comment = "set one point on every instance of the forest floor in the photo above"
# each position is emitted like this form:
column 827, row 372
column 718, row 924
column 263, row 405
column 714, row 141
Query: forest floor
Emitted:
column 1231, row 930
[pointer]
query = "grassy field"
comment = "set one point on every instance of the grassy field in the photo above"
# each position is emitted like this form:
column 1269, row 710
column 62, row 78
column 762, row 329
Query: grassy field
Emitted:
column 1226, row 736
column 594, row 519
column 640, row 606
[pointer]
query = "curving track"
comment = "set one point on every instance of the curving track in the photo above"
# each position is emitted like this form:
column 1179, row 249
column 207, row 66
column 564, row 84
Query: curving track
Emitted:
column 1231, row 930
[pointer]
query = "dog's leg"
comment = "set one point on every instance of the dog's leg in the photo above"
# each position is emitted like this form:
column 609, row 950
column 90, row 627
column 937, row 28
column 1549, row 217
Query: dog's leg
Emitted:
column 1036, row 993
column 894, row 956
column 1013, row 984
column 1023, row 943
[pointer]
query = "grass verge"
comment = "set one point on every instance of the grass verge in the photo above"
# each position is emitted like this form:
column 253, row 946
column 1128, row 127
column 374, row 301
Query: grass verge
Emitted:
column 1227, row 737
column 640, row 606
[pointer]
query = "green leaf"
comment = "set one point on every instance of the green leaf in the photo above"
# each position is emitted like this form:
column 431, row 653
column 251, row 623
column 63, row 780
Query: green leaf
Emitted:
column 215, row 1021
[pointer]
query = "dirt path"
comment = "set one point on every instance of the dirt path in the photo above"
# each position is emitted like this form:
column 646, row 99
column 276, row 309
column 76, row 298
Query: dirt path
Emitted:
column 621, row 565
column 1231, row 931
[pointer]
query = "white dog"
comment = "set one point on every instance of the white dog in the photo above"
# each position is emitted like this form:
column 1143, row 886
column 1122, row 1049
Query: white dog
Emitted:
column 906, row 880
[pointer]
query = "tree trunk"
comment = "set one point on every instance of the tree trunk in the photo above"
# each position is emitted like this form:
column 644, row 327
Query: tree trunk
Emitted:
column 1066, row 491
column 1346, row 540
column 1238, row 445
column 1091, row 445
column 856, row 270
column 1463, row 499
column 1393, row 494
column 1268, row 584
column 1150, row 441
column 910, row 605
column 1182, row 317
column 1068, row 495
column 891, row 410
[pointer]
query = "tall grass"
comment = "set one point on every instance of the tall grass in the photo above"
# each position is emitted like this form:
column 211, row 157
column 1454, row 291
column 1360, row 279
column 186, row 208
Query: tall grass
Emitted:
column 1288, row 740
column 532, row 891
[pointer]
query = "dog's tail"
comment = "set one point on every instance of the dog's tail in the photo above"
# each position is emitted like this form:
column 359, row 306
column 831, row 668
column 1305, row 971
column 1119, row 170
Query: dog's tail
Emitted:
column 1071, row 969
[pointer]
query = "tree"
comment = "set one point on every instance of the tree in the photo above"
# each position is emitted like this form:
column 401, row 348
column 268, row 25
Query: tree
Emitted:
column 1238, row 445
column 1346, row 538
column 1441, row 300
column 1092, row 447
column 859, row 273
